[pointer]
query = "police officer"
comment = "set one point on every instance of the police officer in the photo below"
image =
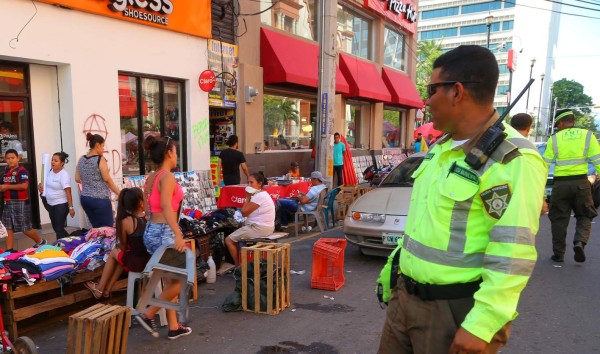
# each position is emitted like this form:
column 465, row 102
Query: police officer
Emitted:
column 571, row 149
column 468, row 249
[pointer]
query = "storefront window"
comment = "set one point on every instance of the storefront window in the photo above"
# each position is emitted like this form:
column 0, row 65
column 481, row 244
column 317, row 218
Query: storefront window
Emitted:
column 392, row 128
column 148, row 107
column 394, row 53
column 353, row 33
column 12, row 79
column 351, row 128
column 288, row 122
column 294, row 16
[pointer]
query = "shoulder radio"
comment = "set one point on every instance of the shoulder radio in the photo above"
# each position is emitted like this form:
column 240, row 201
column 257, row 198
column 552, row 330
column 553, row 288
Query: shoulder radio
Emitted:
column 492, row 137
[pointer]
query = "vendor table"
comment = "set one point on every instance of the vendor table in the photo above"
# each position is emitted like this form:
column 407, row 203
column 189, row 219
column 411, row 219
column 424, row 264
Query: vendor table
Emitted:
column 235, row 196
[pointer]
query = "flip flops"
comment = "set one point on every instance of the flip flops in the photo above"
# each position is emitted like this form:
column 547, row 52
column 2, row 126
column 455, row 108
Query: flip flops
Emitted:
column 93, row 288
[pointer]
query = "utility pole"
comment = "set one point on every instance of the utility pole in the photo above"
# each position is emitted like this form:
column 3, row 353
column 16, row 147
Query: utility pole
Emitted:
column 537, row 122
column 554, row 114
column 530, row 73
column 327, row 26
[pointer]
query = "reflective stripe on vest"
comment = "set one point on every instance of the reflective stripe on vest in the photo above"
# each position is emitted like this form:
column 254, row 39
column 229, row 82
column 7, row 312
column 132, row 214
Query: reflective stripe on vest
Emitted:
column 523, row 143
column 588, row 138
column 516, row 266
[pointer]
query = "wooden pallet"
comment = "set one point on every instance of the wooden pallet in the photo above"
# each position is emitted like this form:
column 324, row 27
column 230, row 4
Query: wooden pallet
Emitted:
column 100, row 329
column 22, row 302
column 277, row 256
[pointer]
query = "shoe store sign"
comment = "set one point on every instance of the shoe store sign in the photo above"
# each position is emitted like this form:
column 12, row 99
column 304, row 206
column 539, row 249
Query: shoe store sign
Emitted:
column 402, row 13
column 166, row 14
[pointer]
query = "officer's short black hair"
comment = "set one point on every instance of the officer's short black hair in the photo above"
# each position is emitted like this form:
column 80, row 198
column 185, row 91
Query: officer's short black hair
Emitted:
column 232, row 140
column 521, row 121
column 471, row 63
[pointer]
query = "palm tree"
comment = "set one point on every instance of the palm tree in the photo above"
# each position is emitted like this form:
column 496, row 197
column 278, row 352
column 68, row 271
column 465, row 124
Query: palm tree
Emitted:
column 277, row 112
column 427, row 53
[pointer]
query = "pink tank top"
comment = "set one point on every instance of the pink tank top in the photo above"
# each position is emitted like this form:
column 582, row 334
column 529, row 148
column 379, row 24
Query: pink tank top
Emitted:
column 154, row 199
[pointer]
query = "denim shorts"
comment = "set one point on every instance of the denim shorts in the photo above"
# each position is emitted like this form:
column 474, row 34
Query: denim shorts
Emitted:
column 156, row 235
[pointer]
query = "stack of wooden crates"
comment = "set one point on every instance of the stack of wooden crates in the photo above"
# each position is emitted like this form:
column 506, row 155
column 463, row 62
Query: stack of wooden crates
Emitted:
column 100, row 329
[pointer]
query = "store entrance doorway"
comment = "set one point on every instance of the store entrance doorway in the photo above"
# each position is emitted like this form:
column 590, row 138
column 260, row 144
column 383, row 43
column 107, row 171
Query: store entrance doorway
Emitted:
column 16, row 133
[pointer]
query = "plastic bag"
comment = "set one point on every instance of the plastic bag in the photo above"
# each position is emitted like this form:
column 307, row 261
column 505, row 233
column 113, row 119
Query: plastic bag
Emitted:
column 3, row 233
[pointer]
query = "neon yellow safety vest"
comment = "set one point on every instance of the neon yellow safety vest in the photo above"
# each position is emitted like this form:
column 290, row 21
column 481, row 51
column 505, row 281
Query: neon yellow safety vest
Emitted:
column 464, row 225
column 572, row 149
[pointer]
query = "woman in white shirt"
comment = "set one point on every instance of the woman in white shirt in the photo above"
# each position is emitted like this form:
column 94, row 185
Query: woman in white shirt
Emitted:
column 259, row 211
column 56, row 194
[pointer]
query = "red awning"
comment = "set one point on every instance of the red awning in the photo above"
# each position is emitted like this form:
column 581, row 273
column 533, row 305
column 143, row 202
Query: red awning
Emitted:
column 287, row 60
column 364, row 79
column 403, row 90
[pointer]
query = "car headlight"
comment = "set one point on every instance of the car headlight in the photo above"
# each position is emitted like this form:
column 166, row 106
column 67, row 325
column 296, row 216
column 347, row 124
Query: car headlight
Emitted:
column 368, row 217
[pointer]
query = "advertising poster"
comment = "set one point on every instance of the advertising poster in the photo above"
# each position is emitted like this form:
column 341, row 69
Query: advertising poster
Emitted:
column 223, row 61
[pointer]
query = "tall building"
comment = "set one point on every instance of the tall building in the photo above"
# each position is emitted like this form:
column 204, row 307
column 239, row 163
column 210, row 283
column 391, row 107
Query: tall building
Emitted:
column 521, row 37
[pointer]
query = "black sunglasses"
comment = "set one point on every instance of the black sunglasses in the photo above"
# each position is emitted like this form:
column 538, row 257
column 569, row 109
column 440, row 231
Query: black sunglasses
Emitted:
column 431, row 87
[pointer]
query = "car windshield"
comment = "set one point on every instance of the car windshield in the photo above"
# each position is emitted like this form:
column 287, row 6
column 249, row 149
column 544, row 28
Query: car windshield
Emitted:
column 401, row 175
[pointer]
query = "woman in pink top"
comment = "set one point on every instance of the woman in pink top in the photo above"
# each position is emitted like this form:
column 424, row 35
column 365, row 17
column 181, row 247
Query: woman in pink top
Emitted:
column 164, row 197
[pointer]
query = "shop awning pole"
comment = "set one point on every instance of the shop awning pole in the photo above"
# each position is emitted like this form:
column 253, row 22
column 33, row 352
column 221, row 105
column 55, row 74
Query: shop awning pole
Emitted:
column 326, row 91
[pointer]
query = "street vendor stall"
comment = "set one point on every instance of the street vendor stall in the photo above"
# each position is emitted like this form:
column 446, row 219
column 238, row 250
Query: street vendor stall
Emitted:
column 235, row 196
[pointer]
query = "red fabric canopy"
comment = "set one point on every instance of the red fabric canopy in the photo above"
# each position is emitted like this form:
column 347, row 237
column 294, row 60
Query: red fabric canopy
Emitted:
column 286, row 60
column 364, row 79
column 403, row 90
column 349, row 174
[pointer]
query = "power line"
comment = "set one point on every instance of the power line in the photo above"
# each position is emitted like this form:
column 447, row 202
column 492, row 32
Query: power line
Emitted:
column 589, row 2
column 577, row 6
column 555, row 11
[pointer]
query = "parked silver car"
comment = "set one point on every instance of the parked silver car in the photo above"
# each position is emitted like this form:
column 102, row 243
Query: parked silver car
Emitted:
column 376, row 220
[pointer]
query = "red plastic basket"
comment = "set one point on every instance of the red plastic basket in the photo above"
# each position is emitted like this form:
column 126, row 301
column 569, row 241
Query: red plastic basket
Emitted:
column 328, row 264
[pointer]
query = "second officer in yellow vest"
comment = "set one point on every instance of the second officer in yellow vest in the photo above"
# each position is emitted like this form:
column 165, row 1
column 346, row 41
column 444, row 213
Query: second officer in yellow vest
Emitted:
column 571, row 149
column 469, row 243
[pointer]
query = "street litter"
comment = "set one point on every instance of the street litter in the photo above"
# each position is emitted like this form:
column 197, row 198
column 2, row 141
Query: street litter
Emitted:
column 557, row 266
column 328, row 297
column 299, row 272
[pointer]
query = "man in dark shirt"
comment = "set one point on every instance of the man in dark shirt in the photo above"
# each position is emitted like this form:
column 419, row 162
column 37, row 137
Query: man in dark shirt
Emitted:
column 231, row 160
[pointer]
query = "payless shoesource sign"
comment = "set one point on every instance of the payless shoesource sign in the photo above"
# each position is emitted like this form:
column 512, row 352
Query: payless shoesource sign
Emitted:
column 187, row 16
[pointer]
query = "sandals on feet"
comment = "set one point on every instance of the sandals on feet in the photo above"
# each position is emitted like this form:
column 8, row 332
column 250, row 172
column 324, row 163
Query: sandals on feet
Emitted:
column 93, row 287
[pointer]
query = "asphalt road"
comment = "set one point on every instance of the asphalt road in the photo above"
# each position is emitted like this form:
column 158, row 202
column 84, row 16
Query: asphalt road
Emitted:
column 559, row 311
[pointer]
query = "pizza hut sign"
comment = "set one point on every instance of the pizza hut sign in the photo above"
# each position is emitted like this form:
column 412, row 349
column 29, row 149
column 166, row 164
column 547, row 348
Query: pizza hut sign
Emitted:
column 403, row 13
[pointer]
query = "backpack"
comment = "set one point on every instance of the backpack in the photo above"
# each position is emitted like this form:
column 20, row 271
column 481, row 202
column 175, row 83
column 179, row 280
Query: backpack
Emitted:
column 388, row 277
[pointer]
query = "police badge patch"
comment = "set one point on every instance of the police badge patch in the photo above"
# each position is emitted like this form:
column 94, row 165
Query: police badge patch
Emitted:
column 495, row 200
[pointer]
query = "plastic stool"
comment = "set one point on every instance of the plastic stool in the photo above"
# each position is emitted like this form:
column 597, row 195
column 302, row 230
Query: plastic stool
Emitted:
column 156, row 271
column 131, row 279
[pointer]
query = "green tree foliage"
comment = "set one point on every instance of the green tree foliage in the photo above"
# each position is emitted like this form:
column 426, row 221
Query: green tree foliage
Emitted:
column 570, row 93
column 427, row 53
column 277, row 111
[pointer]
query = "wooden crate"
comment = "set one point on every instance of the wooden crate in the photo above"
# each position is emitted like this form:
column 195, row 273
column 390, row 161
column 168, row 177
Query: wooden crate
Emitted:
column 277, row 257
column 23, row 302
column 100, row 329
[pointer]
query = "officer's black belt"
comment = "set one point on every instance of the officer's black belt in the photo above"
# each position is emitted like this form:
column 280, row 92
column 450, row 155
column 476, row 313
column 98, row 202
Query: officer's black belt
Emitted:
column 430, row 292
column 570, row 178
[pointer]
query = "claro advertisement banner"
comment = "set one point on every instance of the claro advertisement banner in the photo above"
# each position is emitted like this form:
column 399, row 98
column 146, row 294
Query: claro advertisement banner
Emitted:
column 185, row 16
